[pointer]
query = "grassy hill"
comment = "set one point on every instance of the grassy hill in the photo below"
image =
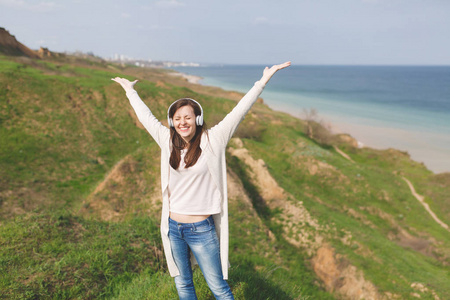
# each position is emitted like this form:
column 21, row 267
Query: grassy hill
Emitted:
column 80, row 197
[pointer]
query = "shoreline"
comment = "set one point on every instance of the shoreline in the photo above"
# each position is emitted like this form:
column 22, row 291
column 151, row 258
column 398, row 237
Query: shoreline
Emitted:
column 417, row 145
column 189, row 78
column 377, row 137
column 420, row 146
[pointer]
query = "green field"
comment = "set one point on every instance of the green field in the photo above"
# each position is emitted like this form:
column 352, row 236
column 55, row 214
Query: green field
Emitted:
column 80, row 197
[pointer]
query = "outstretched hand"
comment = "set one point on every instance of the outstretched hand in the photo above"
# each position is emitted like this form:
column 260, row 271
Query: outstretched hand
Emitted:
column 125, row 83
column 268, row 72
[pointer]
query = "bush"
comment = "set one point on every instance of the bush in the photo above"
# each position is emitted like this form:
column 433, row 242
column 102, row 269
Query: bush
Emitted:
column 316, row 129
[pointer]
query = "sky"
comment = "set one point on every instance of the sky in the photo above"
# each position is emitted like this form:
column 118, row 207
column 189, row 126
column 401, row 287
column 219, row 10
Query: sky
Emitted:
column 323, row 32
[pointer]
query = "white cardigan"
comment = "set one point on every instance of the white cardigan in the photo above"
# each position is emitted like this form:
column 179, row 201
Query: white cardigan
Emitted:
column 214, row 146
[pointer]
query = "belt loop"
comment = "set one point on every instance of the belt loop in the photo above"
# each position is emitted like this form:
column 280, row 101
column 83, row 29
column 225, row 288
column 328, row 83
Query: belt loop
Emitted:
column 193, row 227
column 209, row 220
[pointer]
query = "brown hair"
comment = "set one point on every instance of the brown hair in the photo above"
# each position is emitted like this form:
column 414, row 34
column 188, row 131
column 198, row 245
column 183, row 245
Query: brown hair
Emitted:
column 194, row 151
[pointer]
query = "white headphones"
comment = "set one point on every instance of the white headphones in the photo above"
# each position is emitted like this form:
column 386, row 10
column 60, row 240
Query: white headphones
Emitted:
column 198, row 119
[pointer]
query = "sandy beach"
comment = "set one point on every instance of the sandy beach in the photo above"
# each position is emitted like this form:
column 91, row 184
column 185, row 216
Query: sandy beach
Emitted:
column 420, row 146
column 428, row 148
column 424, row 147
column 190, row 78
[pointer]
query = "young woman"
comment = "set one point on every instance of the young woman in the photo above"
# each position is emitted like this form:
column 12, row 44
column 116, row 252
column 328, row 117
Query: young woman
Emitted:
column 194, row 222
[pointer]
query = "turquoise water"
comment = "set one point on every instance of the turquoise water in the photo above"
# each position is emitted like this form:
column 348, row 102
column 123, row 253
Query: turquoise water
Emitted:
column 406, row 108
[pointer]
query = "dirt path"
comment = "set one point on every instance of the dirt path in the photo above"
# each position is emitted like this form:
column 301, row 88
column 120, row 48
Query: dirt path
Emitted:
column 427, row 207
column 342, row 153
column 302, row 230
column 413, row 191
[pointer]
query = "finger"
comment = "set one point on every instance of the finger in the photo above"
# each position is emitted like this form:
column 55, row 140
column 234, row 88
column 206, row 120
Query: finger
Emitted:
column 284, row 65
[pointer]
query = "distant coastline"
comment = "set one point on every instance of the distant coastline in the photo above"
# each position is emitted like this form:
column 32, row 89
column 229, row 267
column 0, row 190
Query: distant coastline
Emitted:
column 190, row 78
column 425, row 146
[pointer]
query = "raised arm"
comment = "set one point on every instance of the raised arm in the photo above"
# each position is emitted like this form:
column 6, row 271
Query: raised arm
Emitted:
column 159, row 132
column 269, row 72
column 225, row 129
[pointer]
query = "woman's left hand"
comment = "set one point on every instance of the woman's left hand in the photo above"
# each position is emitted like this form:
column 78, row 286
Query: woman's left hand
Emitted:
column 268, row 72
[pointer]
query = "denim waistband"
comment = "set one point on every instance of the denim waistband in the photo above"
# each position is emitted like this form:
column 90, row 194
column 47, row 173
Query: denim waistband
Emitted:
column 209, row 221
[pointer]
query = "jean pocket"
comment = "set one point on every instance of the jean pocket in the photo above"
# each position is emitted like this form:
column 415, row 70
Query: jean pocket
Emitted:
column 202, row 228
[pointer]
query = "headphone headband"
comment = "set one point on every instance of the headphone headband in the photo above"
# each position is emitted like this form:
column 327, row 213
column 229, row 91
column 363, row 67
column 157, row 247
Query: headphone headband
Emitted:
column 198, row 119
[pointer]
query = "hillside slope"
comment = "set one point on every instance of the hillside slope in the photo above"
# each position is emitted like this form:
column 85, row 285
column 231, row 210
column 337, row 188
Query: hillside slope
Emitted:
column 79, row 192
column 10, row 46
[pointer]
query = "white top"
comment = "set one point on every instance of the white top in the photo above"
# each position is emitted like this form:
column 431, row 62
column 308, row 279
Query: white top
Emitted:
column 192, row 191
column 213, row 145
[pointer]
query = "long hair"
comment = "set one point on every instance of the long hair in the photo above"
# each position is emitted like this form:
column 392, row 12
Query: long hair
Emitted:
column 194, row 151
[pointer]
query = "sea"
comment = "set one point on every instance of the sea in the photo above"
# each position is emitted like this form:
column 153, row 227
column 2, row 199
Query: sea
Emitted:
column 401, row 107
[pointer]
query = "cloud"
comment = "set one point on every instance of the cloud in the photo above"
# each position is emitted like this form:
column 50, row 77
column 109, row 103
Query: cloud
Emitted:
column 42, row 6
column 154, row 27
column 159, row 27
column 125, row 15
column 46, row 43
column 170, row 4
column 261, row 20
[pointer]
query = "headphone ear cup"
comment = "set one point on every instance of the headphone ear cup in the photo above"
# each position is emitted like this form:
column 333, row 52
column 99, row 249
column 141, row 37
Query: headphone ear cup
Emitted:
column 170, row 122
column 199, row 120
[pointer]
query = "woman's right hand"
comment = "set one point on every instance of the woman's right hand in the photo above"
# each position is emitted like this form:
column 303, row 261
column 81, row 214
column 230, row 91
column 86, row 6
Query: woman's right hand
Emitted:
column 125, row 83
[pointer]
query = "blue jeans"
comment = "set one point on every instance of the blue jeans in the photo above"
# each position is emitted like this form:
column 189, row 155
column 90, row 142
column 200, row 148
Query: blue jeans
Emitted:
column 201, row 239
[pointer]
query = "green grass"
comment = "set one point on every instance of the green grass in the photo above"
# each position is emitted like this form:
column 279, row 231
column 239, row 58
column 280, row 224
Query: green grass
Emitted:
column 364, row 186
column 62, row 256
column 64, row 125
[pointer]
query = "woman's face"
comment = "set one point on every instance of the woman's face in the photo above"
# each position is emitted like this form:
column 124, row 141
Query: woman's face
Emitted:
column 184, row 122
